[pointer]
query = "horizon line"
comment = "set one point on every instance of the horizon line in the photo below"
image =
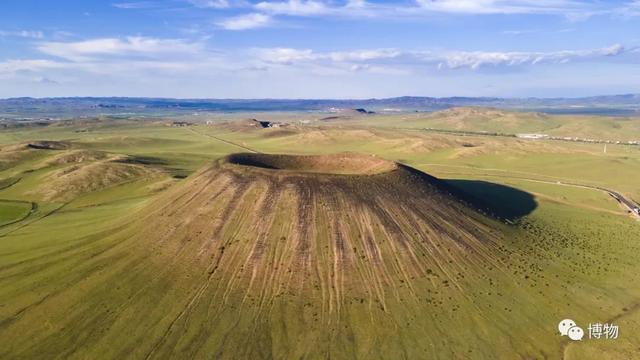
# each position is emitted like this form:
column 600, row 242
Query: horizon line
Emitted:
column 319, row 98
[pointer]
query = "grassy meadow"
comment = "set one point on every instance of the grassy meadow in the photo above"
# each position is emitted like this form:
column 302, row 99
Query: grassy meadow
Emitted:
column 77, row 280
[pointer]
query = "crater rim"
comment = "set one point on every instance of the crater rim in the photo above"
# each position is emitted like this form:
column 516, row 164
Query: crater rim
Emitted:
column 346, row 163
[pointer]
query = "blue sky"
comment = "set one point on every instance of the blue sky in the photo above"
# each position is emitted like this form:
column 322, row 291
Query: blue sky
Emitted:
column 319, row 48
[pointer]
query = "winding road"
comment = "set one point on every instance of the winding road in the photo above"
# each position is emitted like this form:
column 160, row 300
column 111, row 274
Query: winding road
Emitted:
column 633, row 207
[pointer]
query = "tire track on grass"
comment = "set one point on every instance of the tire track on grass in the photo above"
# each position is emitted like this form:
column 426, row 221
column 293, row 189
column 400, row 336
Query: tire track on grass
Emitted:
column 211, row 271
column 224, row 141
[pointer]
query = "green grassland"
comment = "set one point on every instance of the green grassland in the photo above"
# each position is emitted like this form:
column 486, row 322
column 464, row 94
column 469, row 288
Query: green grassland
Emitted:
column 73, row 283
column 506, row 122
column 12, row 211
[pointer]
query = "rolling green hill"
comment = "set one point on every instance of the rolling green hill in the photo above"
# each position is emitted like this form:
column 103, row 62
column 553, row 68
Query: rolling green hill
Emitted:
column 473, row 119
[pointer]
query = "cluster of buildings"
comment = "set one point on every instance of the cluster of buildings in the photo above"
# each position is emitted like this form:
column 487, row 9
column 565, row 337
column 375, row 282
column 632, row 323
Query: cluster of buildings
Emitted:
column 533, row 136
column 577, row 139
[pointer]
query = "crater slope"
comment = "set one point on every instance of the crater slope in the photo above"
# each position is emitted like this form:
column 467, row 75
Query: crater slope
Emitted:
column 334, row 224
column 327, row 230
column 281, row 256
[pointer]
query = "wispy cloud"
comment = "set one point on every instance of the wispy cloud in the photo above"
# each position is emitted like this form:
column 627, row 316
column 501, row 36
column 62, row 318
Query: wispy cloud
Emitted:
column 571, row 9
column 519, row 32
column 537, row 31
column 246, row 22
column 116, row 56
column 136, row 55
column 477, row 59
column 133, row 45
column 17, row 65
column 294, row 7
column 441, row 59
column 291, row 56
column 31, row 34
column 631, row 9
column 215, row 4
column 505, row 6
column 136, row 5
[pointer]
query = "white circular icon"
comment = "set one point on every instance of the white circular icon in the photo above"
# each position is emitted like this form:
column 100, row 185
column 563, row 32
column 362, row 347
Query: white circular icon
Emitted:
column 565, row 325
column 575, row 333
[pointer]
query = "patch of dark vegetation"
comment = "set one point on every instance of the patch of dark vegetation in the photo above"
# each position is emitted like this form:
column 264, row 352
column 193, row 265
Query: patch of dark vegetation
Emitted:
column 363, row 111
column 48, row 145
column 23, row 124
column 328, row 118
column 177, row 173
column 503, row 202
column 279, row 133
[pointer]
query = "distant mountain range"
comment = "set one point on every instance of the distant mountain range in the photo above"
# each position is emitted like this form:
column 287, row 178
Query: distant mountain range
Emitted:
column 43, row 108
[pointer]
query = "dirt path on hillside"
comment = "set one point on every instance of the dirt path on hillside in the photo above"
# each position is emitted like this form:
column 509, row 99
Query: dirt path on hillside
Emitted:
column 224, row 141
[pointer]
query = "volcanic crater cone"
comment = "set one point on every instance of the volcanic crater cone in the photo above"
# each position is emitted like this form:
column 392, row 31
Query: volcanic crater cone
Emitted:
column 331, row 226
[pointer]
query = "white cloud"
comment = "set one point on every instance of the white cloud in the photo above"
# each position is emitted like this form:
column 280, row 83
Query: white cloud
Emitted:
column 442, row 59
column 216, row 4
column 294, row 7
column 364, row 55
column 23, row 34
column 246, row 22
column 16, row 65
column 290, row 56
column 629, row 10
column 133, row 45
column 136, row 5
column 116, row 56
column 285, row 55
column 504, row 6
column 345, row 9
column 573, row 10
column 135, row 60
column 477, row 59
column 356, row 4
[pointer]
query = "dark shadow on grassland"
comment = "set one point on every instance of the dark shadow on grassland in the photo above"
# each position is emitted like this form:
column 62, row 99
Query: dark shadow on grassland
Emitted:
column 501, row 201
column 143, row 160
